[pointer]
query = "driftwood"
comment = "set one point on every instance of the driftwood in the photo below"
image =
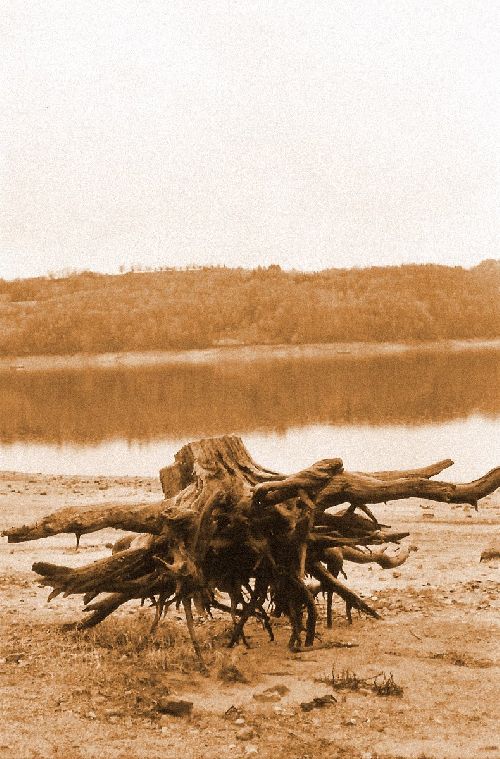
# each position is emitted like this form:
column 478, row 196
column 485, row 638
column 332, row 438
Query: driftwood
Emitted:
column 228, row 524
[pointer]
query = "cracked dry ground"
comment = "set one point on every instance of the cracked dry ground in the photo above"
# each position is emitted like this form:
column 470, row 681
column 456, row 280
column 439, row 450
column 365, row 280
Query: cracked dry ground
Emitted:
column 96, row 694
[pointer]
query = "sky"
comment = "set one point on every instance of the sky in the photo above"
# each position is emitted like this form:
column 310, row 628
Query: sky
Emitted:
column 310, row 134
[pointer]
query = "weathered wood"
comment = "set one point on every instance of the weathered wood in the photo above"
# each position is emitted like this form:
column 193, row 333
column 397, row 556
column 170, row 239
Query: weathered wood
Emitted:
column 329, row 582
column 364, row 488
column 347, row 487
column 227, row 523
column 382, row 555
column 136, row 517
column 425, row 471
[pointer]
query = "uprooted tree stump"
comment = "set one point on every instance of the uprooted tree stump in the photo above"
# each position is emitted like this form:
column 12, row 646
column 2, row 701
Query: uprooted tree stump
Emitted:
column 228, row 524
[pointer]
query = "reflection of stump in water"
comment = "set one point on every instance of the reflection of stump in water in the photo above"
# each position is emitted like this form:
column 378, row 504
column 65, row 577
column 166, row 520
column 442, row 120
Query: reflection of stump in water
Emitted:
column 228, row 523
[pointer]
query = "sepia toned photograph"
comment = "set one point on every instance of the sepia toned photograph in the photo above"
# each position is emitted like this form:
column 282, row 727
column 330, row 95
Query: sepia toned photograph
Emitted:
column 249, row 379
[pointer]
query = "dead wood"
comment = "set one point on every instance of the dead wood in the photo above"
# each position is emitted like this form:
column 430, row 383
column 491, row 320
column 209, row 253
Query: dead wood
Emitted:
column 226, row 523
column 137, row 517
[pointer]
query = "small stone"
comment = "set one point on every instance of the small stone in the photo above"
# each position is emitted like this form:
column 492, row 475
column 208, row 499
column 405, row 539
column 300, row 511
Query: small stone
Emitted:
column 281, row 689
column 251, row 750
column 396, row 574
column 91, row 715
column 177, row 708
column 234, row 713
column 240, row 721
column 114, row 712
column 13, row 658
column 245, row 734
column 267, row 697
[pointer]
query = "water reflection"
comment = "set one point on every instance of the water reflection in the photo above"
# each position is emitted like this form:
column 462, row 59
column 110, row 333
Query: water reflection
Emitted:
column 181, row 402
column 473, row 443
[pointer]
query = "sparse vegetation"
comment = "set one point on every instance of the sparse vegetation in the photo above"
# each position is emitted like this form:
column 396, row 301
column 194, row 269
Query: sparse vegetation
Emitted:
column 381, row 684
column 174, row 309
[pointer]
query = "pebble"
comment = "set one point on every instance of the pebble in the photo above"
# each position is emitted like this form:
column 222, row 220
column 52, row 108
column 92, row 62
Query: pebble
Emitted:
column 240, row 721
column 245, row 734
column 251, row 750
column 14, row 658
column 267, row 697
column 114, row 712
column 176, row 707
column 279, row 688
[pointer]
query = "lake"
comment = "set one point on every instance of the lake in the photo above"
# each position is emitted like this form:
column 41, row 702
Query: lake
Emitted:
column 375, row 412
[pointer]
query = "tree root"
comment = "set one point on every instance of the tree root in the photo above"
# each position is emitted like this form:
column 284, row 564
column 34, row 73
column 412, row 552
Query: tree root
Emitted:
column 230, row 524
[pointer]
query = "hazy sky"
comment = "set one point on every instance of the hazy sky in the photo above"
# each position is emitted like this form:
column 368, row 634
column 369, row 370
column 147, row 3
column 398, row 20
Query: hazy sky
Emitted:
column 307, row 133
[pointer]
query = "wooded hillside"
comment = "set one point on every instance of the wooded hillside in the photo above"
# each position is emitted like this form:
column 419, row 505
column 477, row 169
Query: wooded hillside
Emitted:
column 175, row 309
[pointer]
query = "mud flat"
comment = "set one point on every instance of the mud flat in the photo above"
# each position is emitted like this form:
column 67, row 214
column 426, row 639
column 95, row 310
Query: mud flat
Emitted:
column 233, row 354
column 97, row 694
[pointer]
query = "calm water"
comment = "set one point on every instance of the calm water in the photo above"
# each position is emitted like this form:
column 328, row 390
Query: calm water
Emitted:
column 374, row 412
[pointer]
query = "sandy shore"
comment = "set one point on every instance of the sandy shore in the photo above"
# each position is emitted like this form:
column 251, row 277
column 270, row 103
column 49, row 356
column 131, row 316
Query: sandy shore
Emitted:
column 95, row 694
column 240, row 353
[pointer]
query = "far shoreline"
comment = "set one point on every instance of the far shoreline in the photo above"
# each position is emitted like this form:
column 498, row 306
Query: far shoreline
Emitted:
column 235, row 353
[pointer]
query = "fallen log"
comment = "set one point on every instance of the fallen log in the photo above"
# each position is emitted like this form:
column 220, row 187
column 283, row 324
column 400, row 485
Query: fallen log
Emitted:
column 227, row 523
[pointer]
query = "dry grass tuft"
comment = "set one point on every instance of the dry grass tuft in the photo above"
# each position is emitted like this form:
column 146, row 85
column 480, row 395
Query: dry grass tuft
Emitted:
column 228, row 670
column 381, row 684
